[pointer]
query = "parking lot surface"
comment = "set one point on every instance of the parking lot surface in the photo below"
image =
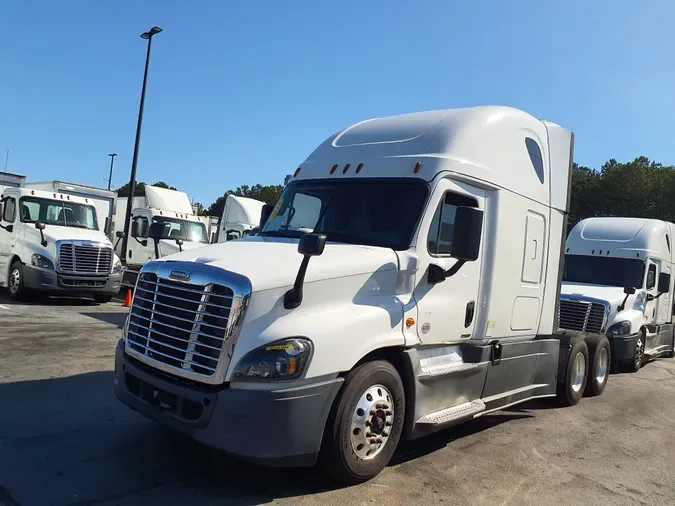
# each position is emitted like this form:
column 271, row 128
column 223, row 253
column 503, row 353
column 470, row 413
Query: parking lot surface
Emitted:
column 66, row 440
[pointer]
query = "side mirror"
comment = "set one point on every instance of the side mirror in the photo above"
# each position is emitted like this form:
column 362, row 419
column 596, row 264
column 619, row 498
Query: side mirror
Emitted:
column 287, row 179
column 158, row 231
column 629, row 290
column 465, row 246
column 466, row 234
column 134, row 229
column 41, row 226
column 310, row 245
column 180, row 244
column 119, row 234
column 107, row 226
column 664, row 283
column 265, row 213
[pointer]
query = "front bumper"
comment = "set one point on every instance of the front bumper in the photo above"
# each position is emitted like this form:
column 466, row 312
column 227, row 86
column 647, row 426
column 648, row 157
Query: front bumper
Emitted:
column 623, row 347
column 54, row 282
column 281, row 427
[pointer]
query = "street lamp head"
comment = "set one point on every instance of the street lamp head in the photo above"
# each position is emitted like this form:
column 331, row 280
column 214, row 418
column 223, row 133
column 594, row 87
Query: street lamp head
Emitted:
column 112, row 154
column 153, row 31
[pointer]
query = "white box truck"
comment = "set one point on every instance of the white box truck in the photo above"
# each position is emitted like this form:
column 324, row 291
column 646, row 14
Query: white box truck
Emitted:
column 618, row 280
column 51, row 243
column 183, row 230
column 424, row 295
column 103, row 200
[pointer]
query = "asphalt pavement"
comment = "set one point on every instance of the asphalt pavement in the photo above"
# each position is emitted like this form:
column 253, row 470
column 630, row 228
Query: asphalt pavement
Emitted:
column 66, row 440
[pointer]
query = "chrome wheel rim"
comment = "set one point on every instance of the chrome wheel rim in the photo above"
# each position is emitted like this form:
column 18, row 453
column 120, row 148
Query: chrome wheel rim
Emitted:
column 603, row 365
column 14, row 280
column 578, row 371
column 639, row 350
column 372, row 422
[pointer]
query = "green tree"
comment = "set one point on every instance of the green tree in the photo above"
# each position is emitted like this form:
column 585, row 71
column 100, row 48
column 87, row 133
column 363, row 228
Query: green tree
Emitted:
column 268, row 194
column 140, row 189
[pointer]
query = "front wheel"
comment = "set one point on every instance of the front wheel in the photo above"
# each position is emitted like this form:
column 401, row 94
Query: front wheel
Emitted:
column 365, row 424
column 15, row 284
column 638, row 354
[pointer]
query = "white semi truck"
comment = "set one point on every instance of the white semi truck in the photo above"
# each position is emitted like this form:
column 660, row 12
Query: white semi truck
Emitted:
column 183, row 230
column 618, row 280
column 424, row 295
column 52, row 243
column 241, row 215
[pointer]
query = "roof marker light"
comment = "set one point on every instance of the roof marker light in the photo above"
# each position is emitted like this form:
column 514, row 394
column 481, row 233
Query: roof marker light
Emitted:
column 297, row 171
column 593, row 252
column 608, row 252
column 409, row 322
column 638, row 254
column 344, row 171
column 32, row 192
column 359, row 167
column 417, row 168
column 86, row 200
column 600, row 252
column 55, row 195
column 68, row 197
column 333, row 168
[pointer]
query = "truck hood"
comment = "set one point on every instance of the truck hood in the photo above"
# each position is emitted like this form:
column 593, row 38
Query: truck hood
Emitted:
column 169, row 247
column 56, row 233
column 273, row 262
column 612, row 294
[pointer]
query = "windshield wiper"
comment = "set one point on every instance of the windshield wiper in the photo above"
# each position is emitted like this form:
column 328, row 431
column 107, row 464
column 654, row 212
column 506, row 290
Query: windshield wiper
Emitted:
column 279, row 233
column 346, row 238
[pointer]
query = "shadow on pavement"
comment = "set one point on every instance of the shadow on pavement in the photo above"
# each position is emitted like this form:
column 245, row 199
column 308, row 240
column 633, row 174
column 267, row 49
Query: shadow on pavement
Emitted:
column 88, row 448
column 116, row 319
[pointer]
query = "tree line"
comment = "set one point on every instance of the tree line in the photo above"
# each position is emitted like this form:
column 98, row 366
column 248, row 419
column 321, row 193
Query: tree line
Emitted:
column 642, row 188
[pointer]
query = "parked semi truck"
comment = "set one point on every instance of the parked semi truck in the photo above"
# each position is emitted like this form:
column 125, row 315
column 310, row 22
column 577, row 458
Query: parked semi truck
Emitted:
column 618, row 280
column 424, row 294
column 182, row 229
column 51, row 243
column 240, row 216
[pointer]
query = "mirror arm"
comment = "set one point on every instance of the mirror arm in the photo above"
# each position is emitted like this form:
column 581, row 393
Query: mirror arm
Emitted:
column 43, row 241
column 622, row 306
column 293, row 297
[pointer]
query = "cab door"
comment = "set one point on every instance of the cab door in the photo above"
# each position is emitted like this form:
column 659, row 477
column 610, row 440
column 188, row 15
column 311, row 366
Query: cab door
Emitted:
column 7, row 218
column 446, row 310
column 140, row 249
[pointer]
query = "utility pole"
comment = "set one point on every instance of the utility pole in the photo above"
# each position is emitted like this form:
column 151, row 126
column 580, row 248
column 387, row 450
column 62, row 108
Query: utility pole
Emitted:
column 112, row 161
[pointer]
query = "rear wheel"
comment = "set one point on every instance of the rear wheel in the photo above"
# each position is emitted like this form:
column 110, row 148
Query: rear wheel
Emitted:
column 573, row 383
column 365, row 424
column 599, row 359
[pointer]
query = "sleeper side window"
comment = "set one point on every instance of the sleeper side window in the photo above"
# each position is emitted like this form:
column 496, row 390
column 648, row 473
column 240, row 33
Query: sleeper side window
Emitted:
column 442, row 225
column 535, row 157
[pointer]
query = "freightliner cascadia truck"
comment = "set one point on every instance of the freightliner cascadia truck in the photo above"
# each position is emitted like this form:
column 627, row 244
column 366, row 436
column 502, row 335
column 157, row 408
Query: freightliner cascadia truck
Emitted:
column 407, row 280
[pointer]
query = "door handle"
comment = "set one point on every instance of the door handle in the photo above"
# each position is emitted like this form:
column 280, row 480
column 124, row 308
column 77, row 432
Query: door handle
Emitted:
column 468, row 316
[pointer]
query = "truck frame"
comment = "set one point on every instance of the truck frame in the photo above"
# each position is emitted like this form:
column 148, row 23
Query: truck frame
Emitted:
column 407, row 280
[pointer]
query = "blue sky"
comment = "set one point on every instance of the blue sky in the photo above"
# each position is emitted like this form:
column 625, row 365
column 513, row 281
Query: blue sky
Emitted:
column 240, row 92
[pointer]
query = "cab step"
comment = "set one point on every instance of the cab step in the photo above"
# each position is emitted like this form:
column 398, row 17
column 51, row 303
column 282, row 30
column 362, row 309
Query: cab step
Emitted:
column 436, row 371
column 453, row 414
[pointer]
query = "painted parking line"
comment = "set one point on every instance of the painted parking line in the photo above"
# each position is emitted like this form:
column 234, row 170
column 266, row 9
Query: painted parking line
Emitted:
column 4, row 307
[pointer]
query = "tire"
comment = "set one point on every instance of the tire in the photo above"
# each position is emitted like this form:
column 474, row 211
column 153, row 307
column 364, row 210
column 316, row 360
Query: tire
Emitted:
column 600, row 364
column 575, row 375
column 102, row 298
column 348, row 440
column 638, row 354
column 15, row 286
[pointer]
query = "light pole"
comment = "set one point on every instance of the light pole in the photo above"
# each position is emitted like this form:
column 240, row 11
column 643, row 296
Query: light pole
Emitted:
column 132, row 180
column 112, row 161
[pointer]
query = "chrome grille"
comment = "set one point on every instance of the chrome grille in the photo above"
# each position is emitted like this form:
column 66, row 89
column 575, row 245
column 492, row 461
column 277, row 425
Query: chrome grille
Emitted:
column 85, row 259
column 182, row 325
column 582, row 315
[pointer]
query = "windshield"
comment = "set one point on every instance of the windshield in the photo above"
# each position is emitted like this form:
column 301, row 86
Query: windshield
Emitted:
column 597, row 270
column 374, row 212
column 192, row 231
column 58, row 212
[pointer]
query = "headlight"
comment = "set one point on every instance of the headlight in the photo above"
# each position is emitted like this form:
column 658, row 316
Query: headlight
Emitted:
column 278, row 361
column 41, row 261
column 620, row 329
column 117, row 266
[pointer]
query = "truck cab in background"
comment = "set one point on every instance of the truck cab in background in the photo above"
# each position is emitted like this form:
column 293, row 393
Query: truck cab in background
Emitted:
column 241, row 215
column 51, row 243
column 407, row 280
column 182, row 229
column 618, row 279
